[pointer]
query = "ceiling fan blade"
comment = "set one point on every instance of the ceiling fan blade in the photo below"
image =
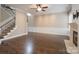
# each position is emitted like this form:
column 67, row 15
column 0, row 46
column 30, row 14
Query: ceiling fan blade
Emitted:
column 38, row 5
column 43, row 10
column 33, row 8
column 45, row 7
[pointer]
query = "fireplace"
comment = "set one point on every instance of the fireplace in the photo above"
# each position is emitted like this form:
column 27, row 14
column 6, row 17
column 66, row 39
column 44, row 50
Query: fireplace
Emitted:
column 75, row 38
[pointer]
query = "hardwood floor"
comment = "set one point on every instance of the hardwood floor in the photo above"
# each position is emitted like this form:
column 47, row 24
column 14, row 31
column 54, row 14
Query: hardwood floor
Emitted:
column 35, row 43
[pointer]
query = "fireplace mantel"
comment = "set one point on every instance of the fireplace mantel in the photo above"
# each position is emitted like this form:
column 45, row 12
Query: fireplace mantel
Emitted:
column 71, row 48
column 74, row 27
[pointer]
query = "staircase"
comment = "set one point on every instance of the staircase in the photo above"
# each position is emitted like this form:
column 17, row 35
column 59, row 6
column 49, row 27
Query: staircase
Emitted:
column 7, row 20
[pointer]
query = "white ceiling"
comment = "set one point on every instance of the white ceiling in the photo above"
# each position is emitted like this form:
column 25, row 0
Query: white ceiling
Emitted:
column 52, row 8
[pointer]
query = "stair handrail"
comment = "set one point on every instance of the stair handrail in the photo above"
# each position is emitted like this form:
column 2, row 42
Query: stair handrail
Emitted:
column 6, row 11
column 7, row 22
column 4, row 25
column 8, row 14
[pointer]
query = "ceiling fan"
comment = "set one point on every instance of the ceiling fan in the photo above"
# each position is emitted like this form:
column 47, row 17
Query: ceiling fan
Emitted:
column 40, row 7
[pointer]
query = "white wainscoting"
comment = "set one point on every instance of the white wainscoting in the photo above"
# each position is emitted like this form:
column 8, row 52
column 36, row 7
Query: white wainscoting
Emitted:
column 49, row 30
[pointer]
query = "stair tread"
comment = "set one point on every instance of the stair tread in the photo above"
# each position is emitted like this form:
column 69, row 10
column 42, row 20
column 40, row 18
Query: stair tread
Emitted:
column 7, row 30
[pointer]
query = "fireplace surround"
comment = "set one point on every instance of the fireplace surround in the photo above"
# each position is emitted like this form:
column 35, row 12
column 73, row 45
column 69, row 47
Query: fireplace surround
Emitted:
column 75, row 38
column 72, row 45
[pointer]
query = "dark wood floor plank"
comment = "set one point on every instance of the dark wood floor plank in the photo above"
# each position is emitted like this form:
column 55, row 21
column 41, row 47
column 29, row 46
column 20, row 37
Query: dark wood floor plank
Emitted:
column 36, row 43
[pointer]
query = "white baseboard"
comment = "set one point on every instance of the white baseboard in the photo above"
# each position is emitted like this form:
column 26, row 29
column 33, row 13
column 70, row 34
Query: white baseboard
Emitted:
column 13, row 36
column 49, row 30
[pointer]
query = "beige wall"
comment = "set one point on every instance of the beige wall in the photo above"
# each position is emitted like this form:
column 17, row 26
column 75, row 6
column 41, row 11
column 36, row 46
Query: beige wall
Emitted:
column 21, row 22
column 51, row 24
column 50, row 20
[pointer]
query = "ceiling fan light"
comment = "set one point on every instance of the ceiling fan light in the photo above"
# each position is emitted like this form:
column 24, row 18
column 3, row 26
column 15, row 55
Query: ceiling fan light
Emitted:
column 39, row 9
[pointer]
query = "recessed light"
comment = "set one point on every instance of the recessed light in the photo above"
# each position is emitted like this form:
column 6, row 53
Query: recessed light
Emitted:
column 29, row 14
